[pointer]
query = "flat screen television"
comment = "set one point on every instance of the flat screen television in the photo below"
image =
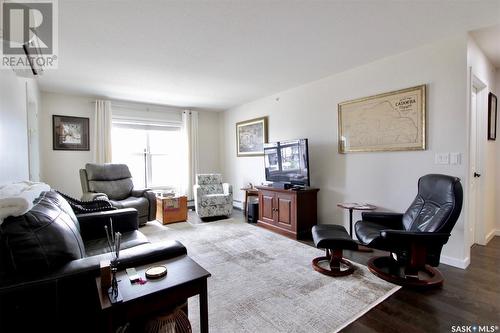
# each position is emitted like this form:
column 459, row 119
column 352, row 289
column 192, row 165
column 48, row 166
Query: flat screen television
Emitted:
column 287, row 162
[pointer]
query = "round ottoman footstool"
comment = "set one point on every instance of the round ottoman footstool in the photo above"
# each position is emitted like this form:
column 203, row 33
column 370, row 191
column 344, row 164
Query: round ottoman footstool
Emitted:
column 334, row 239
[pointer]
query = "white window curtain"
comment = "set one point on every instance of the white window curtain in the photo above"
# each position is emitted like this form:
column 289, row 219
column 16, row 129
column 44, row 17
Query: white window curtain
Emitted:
column 190, row 132
column 103, row 124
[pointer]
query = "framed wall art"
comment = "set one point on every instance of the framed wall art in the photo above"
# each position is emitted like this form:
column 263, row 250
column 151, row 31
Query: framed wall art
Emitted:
column 492, row 117
column 251, row 136
column 70, row 133
column 386, row 122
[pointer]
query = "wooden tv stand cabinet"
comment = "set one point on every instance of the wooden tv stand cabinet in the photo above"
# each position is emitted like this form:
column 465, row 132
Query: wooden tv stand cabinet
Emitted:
column 289, row 213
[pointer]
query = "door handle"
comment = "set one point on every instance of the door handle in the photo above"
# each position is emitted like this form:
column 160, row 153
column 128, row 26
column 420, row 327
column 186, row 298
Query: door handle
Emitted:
column 477, row 175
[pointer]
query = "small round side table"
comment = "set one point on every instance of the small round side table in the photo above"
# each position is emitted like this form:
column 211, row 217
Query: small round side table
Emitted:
column 352, row 207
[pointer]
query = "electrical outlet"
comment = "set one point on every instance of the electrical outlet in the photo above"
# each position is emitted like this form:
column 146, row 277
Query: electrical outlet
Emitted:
column 442, row 158
column 455, row 158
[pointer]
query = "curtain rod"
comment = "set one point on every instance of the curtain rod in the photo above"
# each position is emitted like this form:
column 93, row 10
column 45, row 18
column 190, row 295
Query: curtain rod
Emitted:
column 145, row 106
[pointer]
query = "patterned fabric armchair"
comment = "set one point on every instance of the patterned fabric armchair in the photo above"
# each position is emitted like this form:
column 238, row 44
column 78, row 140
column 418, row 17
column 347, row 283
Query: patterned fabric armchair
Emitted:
column 212, row 197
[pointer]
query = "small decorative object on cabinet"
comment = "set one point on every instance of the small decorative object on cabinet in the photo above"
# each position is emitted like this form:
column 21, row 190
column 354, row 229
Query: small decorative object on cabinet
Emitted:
column 288, row 212
column 171, row 209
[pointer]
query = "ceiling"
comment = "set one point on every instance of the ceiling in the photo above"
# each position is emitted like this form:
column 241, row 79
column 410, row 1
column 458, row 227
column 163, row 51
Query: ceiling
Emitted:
column 488, row 39
column 219, row 54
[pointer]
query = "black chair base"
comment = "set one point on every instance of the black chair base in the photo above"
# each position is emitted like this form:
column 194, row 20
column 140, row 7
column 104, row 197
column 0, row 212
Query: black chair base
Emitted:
column 390, row 270
column 336, row 261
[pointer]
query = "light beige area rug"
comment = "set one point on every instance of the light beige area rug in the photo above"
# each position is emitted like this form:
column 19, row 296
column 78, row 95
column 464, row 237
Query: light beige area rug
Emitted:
column 263, row 282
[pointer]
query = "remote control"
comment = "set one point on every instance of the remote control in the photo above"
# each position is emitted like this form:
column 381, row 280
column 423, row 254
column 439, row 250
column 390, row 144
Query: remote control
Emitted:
column 132, row 275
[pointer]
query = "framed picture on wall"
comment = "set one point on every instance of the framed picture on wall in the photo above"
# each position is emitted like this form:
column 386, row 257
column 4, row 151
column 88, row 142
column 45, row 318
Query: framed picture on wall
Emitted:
column 492, row 117
column 251, row 136
column 392, row 121
column 70, row 133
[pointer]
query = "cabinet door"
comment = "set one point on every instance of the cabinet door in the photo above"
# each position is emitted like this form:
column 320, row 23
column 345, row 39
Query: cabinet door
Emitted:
column 286, row 210
column 266, row 207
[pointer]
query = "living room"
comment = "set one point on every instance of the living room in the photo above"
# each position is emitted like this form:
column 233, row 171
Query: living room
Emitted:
column 170, row 95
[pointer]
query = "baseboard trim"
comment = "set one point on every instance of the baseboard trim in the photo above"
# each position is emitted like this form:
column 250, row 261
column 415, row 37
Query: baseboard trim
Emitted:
column 459, row 263
column 491, row 234
column 238, row 204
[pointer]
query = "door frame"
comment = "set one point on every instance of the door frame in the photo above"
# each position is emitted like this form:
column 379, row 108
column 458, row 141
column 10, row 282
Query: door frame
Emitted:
column 32, row 132
column 475, row 229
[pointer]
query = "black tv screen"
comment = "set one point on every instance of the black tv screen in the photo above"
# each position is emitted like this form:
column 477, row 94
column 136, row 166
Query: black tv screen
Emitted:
column 287, row 162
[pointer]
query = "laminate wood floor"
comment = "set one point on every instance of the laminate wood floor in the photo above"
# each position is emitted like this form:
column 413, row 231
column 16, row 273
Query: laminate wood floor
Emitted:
column 468, row 297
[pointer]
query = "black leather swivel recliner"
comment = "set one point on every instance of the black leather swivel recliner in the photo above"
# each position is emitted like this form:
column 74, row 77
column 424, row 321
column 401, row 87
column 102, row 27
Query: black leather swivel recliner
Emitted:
column 415, row 238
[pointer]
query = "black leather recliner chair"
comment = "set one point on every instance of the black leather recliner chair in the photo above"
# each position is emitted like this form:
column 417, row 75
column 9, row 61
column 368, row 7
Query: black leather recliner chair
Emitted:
column 49, row 258
column 415, row 238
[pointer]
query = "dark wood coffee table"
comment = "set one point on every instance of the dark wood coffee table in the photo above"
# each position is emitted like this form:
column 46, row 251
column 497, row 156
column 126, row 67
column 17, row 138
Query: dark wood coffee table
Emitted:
column 185, row 278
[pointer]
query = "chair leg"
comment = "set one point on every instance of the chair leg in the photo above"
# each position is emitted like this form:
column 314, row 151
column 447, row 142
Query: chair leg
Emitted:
column 409, row 275
column 336, row 263
column 335, row 260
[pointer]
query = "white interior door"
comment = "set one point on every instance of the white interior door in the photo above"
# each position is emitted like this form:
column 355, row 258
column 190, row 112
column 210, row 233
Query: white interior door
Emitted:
column 33, row 140
column 474, row 189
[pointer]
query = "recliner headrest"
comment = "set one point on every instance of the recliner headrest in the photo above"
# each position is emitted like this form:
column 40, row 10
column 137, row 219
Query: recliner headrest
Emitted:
column 107, row 171
column 437, row 188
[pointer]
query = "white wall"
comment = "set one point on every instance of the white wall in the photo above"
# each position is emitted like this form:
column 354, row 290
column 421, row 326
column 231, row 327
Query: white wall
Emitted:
column 386, row 179
column 13, row 128
column 208, row 142
column 482, row 69
column 60, row 169
column 497, row 83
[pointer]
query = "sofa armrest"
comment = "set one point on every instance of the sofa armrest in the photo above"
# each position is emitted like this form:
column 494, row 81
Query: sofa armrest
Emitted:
column 134, row 256
column 131, row 257
column 151, row 197
column 384, row 218
column 92, row 224
column 197, row 193
column 90, row 196
column 228, row 188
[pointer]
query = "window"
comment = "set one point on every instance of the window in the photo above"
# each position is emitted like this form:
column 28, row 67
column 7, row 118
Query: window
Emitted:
column 154, row 153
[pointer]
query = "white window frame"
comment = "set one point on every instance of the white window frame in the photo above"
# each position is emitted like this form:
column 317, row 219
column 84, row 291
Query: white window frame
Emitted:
column 147, row 155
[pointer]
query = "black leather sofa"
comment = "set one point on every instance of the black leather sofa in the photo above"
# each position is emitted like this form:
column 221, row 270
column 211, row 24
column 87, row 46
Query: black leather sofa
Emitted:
column 49, row 258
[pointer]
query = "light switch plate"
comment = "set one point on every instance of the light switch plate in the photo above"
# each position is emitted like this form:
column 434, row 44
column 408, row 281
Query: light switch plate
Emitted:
column 442, row 158
column 455, row 158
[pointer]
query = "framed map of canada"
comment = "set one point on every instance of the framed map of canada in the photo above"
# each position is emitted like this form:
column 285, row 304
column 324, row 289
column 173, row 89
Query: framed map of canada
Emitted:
column 386, row 122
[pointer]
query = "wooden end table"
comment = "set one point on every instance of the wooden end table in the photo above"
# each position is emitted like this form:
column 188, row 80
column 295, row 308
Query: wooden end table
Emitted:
column 352, row 207
column 249, row 192
column 185, row 278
